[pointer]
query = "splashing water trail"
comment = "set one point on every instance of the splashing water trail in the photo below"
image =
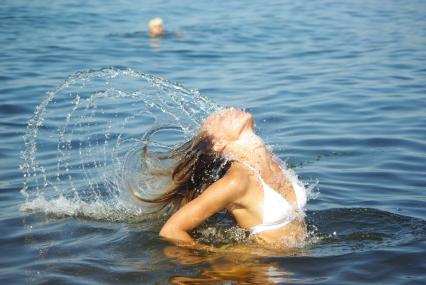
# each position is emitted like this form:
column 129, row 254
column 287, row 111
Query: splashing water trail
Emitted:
column 86, row 150
column 83, row 144
column 86, row 147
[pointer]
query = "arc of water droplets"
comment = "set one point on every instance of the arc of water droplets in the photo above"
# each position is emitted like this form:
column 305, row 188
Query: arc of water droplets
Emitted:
column 95, row 116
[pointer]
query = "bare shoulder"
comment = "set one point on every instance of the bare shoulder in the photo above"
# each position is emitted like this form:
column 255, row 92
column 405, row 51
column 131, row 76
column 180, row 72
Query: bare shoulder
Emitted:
column 229, row 188
column 237, row 177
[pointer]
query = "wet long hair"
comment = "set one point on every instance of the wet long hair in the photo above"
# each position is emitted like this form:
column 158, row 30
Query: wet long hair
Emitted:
column 197, row 167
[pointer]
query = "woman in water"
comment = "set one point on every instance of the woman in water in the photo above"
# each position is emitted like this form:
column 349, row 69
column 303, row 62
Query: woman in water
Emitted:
column 227, row 166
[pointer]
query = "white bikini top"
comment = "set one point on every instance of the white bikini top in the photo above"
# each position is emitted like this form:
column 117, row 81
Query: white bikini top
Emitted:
column 277, row 211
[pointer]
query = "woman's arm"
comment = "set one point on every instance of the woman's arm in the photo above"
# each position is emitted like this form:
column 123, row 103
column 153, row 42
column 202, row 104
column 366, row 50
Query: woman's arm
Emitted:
column 215, row 198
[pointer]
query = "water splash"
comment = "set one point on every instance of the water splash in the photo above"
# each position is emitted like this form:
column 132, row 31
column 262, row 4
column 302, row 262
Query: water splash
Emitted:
column 84, row 144
column 85, row 138
column 83, row 149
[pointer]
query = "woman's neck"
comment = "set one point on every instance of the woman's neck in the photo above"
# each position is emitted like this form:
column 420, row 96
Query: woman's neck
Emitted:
column 255, row 155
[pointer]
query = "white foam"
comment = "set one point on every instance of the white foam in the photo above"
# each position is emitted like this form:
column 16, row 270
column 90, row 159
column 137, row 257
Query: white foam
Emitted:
column 61, row 206
column 311, row 190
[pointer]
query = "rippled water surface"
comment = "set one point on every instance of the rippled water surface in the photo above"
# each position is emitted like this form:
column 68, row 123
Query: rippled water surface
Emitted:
column 337, row 89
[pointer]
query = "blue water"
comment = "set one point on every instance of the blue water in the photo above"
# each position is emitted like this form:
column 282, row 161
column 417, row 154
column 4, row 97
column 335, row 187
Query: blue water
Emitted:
column 337, row 89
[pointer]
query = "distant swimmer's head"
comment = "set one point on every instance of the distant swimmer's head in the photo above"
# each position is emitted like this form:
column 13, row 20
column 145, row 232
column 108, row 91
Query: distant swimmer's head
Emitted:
column 156, row 27
column 230, row 130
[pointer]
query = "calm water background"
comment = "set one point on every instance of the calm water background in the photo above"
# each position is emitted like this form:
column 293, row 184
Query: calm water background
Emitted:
column 337, row 88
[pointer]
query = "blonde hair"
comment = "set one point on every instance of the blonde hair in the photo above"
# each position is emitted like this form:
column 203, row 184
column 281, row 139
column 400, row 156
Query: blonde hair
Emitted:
column 154, row 22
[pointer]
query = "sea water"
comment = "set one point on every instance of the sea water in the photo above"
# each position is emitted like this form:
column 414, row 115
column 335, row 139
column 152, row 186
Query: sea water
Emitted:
column 337, row 91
